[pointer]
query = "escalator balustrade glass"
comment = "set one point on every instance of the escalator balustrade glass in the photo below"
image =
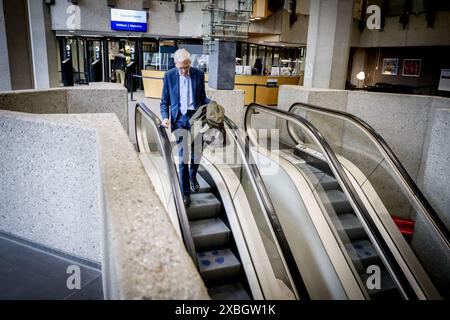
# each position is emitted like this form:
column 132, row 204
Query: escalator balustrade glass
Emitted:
column 226, row 150
column 306, row 150
column 417, row 230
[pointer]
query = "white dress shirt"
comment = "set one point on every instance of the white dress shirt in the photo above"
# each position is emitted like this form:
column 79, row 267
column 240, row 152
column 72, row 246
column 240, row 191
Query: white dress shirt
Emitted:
column 186, row 100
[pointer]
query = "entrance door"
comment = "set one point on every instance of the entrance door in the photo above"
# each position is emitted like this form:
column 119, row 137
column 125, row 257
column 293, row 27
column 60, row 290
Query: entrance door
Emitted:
column 95, row 60
column 75, row 50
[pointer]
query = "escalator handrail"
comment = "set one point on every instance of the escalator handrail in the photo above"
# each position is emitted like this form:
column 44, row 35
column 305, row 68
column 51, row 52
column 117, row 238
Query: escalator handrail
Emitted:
column 166, row 149
column 432, row 215
column 346, row 184
column 256, row 179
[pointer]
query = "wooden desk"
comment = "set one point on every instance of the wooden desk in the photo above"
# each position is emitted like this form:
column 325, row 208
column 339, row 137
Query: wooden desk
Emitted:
column 264, row 94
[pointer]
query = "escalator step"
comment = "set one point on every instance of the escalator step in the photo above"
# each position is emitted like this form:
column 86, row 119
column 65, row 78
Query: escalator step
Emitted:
column 329, row 183
column 218, row 266
column 350, row 224
column 363, row 251
column 209, row 234
column 338, row 200
column 388, row 289
column 204, row 186
column 234, row 291
column 203, row 205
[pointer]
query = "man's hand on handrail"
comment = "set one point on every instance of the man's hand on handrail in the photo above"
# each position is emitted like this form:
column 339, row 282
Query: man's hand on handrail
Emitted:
column 165, row 123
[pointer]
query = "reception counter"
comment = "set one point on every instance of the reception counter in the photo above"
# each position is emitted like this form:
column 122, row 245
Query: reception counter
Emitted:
column 253, row 86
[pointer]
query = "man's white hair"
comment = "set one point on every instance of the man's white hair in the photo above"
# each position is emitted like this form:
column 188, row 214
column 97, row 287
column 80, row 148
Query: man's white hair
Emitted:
column 181, row 55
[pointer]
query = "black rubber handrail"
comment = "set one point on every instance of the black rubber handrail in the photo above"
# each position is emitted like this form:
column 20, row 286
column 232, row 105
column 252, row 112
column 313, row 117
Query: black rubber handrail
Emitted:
column 166, row 148
column 243, row 144
column 346, row 185
column 432, row 215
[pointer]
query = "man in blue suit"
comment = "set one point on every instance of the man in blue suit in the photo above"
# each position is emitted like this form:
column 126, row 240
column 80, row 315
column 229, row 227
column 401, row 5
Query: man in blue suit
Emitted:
column 183, row 93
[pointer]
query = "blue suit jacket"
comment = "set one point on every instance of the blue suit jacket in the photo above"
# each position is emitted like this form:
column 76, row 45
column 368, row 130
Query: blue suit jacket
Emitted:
column 170, row 100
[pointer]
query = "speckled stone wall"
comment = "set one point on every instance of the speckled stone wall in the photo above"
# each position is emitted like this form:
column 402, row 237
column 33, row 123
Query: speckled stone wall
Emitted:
column 50, row 184
column 95, row 98
column 34, row 101
column 436, row 182
column 406, row 122
column 83, row 170
column 232, row 101
column 99, row 98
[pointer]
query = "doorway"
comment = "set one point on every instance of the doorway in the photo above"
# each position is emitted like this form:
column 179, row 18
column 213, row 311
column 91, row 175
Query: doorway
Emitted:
column 95, row 60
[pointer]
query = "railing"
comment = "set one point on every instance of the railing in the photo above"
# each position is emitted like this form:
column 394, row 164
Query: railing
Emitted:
column 425, row 246
column 406, row 288
column 257, row 183
column 142, row 112
column 394, row 162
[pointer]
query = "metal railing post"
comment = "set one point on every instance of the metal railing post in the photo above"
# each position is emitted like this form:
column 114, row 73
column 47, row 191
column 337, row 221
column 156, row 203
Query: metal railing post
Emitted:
column 132, row 80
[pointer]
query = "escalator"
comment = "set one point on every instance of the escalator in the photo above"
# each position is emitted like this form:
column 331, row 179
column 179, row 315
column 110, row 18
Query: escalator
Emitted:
column 349, row 173
column 312, row 226
column 218, row 261
column 228, row 227
column 362, row 252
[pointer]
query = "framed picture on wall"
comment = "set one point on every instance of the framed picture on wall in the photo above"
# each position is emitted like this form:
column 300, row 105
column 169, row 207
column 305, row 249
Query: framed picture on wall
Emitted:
column 390, row 67
column 411, row 67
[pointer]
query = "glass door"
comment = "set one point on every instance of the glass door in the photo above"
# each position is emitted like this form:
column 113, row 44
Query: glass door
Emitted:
column 75, row 49
column 95, row 60
column 113, row 50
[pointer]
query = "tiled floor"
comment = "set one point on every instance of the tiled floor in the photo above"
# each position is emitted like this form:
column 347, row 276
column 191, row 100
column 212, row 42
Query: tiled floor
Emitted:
column 31, row 272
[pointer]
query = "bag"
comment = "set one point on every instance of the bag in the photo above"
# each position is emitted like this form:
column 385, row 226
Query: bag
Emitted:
column 215, row 116
column 212, row 124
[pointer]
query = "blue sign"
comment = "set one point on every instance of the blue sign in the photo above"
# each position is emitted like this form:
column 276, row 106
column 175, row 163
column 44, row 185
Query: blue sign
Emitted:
column 128, row 20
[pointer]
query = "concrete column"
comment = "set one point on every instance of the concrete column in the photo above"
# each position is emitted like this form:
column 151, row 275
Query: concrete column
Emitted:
column 328, row 44
column 222, row 65
column 5, row 73
column 38, row 44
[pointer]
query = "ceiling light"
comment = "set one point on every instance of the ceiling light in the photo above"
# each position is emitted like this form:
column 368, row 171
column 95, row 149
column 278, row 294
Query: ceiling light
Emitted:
column 361, row 75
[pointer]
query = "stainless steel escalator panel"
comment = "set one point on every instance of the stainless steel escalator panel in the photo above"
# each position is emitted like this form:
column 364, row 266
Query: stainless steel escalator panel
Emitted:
column 425, row 244
column 321, row 164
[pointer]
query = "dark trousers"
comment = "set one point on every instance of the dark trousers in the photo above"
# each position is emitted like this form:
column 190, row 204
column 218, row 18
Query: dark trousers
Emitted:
column 188, row 153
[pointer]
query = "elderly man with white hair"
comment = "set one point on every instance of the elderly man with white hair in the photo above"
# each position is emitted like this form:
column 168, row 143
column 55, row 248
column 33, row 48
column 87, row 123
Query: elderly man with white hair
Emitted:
column 183, row 93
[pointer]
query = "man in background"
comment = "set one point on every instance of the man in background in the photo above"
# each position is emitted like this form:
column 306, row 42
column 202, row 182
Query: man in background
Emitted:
column 120, row 64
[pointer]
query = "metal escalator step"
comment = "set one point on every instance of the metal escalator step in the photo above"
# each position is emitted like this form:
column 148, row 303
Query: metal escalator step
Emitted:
column 218, row 266
column 329, row 183
column 387, row 289
column 338, row 200
column 350, row 224
column 308, row 169
column 203, row 205
column 363, row 251
column 209, row 233
column 204, row 186
column 234, row 291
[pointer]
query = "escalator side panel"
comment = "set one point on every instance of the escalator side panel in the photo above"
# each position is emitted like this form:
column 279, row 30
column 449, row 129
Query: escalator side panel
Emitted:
column 323, row 269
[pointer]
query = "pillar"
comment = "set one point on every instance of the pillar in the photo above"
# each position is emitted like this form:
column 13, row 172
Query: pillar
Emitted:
column 5, row 73
column 222, row 65
column 43, row 45
column 328, row 44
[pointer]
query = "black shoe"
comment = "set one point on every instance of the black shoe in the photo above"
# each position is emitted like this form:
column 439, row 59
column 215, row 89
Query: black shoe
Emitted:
column 195, row 185
column 186, row 200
